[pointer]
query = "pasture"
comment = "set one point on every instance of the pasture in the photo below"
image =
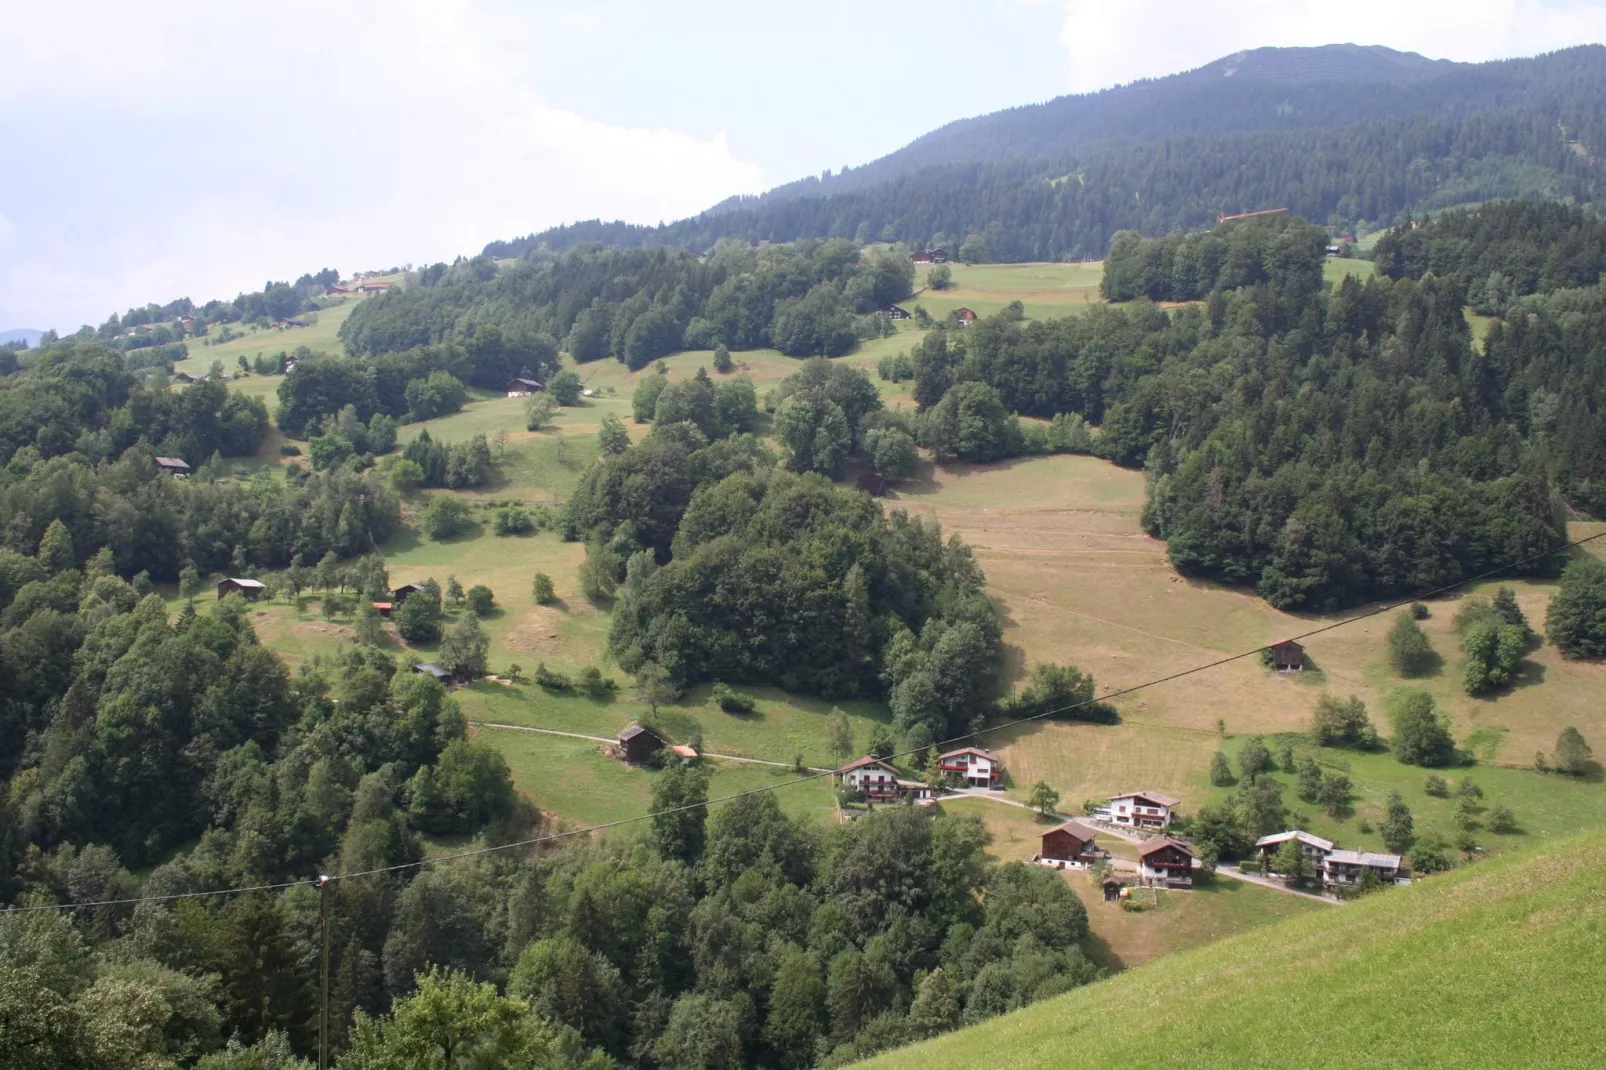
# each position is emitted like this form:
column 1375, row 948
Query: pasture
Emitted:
column 1493, row 966
column 1046, row 288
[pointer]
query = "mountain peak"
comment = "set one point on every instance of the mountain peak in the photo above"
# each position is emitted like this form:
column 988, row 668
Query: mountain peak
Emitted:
column 1324, row 63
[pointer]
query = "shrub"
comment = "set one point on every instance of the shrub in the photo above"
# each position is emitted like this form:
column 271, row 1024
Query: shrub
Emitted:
column 1573, row 752
column 480, row 600
column 289, row 449
column 512, row 520
column 564, row 387
column 542, row 591
column 593, row 683
column 732, row 701
column 722, row 359
column 446, row 517
column 1420, row 735
column 1419, row 611
column 1501, row 820
column 1409, row 650
column 1436, row 786
column 1342, row 721
column 550, row 679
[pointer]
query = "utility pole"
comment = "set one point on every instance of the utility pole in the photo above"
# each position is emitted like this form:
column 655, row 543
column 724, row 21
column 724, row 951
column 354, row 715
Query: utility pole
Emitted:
column 324, row 884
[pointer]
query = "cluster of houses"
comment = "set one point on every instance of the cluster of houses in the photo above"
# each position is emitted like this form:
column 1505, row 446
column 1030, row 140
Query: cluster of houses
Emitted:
column 1336, row 869
column 878, row 781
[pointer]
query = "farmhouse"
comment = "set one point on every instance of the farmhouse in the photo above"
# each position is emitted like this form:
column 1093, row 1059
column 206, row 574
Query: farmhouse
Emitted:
column 522, row 388
column 1067, row 843
column 183, row 377
column 1287, row 656
column 871, row 777
column 873, row 483
column 938, row 256
column 173, row 465
column 1166, row 862
column 1313, row 848
column 429, row 668
column 373, row 287
column 919, row 258
column 251, row 589
column 893, row 312
column 639, row 744
column 404, row 592
column 965, row 316
column 1142, row 809
column 979, row 768
column 1343, row 869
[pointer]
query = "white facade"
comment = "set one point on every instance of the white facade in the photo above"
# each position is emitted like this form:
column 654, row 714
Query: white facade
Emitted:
column 979, row 768
column 1142, row 810
column 874, row 778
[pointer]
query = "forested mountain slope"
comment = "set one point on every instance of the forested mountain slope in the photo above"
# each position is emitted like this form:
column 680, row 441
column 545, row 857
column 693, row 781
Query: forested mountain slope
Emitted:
column 1338, row 135
column 1490, row 966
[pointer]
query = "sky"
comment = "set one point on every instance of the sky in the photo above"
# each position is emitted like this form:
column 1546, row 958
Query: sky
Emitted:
column 190, row 148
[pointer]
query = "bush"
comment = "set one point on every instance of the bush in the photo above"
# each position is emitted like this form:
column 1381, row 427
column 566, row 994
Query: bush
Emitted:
column 1436, row 786
column 550, row 679
column 541, row 590
column 1342, row 721
column 593, row 683
column 480, row 600
column 1419, row 611
column 1420, row 735
column 732, row 701
column 289, row 449
column 564, row 387
column 722, row 359
column 1409, row 650
column 1501, row 820
column 446, row 517
column 512, row 520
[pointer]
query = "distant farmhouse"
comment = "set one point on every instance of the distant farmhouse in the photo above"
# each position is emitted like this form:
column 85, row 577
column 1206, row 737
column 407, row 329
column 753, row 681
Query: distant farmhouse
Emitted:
column 250, row 589
column 893, row 312
column 1287, row 656
column 965, row 316
column 173, row 466
column 522, row 388
column 638, row 744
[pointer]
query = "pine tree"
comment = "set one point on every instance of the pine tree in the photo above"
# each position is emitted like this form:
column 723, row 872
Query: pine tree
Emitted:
column 1397, row 826
column 1572, row 753
column 1409, row 650
column 1220, row 771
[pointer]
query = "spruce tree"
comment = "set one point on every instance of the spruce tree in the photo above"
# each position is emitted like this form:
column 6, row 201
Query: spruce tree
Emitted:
column 1397, row 827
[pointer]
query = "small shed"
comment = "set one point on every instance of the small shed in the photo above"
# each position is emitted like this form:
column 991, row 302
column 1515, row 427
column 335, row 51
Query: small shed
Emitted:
column 1287, row 656
column 964, row 315
column 686, row 754
column 405, row 591
column 873, row 483
column 1112, row 889
column 384, row 608
column 522, row 388
column 429, row 668
column 639, row 744
column 250, row 589
column 183, row 377
column 173, row 465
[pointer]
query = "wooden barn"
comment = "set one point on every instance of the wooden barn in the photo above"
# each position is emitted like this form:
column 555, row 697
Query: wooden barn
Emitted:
column 1287, row 656
column 250, row 589
column 639, row 744
column 173, row 466
column 405, row 591
column 522, row 388
column 893, row 312
column 1068, row 842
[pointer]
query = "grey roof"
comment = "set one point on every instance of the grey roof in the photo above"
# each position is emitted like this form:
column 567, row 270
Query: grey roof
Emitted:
column 1365, row 858
column 526, row 382
column 1085, row 833
column 245, row 583
column 171, row 462
column 1153, row 796
column 636, row 730
column 1295, row 834
column 431, row 668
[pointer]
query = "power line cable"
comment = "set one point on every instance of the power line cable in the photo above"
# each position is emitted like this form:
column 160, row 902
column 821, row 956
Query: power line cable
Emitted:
column 326, row 879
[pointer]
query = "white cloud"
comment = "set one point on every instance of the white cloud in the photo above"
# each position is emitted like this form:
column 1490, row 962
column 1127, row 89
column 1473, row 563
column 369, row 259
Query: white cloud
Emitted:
column 302, row 134
column 1109, row 44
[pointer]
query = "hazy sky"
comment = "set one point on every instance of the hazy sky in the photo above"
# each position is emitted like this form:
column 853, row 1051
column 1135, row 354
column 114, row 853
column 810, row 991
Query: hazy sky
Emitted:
column 192, row 147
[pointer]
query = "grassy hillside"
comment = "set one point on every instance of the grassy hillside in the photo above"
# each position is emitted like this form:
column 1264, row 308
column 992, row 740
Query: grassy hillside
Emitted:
column 1494, row 966
column 1045, row 288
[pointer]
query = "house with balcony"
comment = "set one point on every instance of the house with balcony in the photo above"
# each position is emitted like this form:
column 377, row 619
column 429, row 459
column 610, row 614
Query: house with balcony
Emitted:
column 976, row 767
column 1166, row 862
column 871, row 777
column 1142, row 809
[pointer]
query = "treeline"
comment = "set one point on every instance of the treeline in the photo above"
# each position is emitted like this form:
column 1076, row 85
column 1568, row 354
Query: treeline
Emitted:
column 76, row 397
column 810, row 299
column 421, row 383
column 1326, row 448
column 1051, row 208
column 1187, row 267
column 1498, row 253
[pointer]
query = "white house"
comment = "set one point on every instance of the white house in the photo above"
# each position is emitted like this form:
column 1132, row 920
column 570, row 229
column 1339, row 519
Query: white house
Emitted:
column 1343, row 869
column 871, row 776
column 979, row 768
column 1314, row 848
column 1142, row 809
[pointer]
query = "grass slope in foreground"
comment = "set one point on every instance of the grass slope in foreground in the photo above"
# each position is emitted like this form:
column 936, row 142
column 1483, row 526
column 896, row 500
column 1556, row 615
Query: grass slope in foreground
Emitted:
column 1497, row 965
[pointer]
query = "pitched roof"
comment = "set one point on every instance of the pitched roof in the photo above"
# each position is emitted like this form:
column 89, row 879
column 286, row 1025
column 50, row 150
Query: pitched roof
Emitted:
column 684, row 751
column 1085, row 833
column 1160, row 843
column 171, row 462
column 1153, row 796
column 382, row 605
column 1295, row 834
column 525, row 382
column 1365, row 858
column 431, row 668
column 989, row 755
column 867, row 760
column 636, row 730
column 245, row 583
